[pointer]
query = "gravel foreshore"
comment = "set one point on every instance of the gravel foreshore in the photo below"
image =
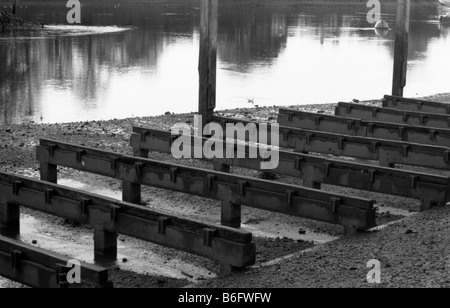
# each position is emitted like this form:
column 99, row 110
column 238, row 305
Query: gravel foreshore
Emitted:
column 413, row 251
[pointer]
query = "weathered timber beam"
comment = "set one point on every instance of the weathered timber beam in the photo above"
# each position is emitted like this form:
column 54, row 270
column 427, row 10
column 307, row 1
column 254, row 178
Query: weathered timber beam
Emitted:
column 364, row 128
column 282, row 198
column 429, row 188
column 39, row 268
column 380, row 114
column 223, row 244
column 402, row 103
column 387, row 152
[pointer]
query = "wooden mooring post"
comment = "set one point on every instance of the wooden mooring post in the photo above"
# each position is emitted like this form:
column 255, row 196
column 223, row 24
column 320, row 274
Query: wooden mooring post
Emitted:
column 401, row 46
column 208, row 59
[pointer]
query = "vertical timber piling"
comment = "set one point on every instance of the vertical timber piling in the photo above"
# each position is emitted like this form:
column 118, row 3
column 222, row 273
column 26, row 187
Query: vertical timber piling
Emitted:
column 401, row 47
column 208, row 59
column 9, row 220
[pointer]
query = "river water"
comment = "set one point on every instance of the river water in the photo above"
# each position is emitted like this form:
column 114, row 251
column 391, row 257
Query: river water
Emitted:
column 134, row 59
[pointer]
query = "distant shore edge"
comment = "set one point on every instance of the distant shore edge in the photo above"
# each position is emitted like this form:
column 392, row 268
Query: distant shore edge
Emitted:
column 279, row 3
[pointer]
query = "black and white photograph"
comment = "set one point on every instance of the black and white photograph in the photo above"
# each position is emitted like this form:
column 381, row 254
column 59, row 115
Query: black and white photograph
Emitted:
column 218, row 151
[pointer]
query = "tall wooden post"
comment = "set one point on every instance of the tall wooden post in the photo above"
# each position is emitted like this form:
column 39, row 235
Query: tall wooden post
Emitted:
column 9, row 220
column 14, row 7
column 105, row 246
column 208, row 59
column 401, row 46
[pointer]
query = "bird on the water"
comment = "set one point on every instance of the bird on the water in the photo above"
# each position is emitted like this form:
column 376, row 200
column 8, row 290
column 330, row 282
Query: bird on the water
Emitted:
column 381, row 25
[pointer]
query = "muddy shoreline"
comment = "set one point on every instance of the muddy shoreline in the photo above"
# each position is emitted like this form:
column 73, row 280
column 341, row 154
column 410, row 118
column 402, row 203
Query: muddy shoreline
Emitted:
column 270, row 3
column 10, row 22
column 276, row 235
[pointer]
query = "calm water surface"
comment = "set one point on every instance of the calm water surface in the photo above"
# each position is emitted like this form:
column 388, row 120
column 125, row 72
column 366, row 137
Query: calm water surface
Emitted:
column 141, row 59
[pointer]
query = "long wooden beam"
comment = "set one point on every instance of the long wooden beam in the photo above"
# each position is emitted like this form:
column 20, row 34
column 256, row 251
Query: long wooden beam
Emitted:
column 38, row 268
column 380, row 114
column 232, row 190
column 364, row 128
column 402, row 103
column 386, row 152
column 430, row 189
column 110, row 217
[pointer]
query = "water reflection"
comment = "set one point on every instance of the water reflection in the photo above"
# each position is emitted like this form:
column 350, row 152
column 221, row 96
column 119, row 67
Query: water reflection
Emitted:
column 277, row 56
